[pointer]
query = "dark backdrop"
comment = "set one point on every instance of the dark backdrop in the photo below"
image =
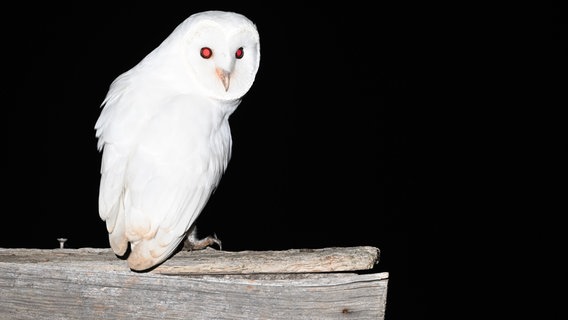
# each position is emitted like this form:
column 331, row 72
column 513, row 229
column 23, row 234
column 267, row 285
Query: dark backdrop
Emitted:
column 331, row 144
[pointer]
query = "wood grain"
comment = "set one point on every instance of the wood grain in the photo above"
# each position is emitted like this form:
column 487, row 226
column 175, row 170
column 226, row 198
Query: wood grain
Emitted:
column 210, row 261
column 94, row 284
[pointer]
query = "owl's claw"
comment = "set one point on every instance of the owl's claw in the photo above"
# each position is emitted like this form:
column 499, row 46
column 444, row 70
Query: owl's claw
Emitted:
column 192, row 243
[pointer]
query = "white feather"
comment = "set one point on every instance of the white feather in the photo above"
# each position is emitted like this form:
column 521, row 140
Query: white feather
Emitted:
column 165, row 136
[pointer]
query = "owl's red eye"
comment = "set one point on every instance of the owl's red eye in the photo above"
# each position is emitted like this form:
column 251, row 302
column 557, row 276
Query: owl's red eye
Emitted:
column 206, row 53
column 239, row 53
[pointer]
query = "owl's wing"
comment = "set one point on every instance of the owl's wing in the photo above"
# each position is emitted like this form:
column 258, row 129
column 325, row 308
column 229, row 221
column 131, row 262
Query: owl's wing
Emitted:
column 161, row 201
column 118, row 116
column 168, row 175
column 171, row 174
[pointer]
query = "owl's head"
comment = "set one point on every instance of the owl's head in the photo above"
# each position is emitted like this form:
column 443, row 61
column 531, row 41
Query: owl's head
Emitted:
column 221, row 51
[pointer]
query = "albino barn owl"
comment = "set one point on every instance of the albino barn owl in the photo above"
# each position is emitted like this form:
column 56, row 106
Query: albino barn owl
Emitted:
column 165, row 138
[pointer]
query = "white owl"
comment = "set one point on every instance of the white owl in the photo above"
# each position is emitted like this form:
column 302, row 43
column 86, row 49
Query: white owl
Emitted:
column 165, row 137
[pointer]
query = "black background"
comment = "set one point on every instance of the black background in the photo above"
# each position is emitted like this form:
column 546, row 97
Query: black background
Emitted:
column 332, row 145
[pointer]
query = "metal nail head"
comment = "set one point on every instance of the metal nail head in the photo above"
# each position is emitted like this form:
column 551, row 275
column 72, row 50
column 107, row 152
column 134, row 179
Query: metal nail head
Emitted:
column 61, row 242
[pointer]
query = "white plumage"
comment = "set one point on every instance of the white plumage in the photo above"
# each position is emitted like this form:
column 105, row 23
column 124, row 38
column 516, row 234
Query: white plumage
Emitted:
column 165, row 136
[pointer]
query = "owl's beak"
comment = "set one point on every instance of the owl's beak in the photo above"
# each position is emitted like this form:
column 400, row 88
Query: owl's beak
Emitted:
column 224, row 76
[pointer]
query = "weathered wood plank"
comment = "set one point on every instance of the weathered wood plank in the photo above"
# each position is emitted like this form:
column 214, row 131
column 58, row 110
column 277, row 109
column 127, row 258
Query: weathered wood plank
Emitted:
column 94, row 284
column 211, row 261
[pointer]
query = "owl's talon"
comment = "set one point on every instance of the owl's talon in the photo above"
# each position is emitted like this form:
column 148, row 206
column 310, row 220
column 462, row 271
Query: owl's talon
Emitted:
column 192, row 243
column 217, row 241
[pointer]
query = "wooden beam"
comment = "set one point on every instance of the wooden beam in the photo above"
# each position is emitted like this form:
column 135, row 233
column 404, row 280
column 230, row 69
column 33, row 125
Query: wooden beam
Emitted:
column 94, row 284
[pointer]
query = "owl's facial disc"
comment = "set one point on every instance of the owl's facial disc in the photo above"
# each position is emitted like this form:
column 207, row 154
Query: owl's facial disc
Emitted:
column 222, row 59
column 224, row 76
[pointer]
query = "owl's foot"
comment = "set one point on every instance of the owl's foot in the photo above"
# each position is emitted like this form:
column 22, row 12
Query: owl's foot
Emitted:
column 192, row 243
